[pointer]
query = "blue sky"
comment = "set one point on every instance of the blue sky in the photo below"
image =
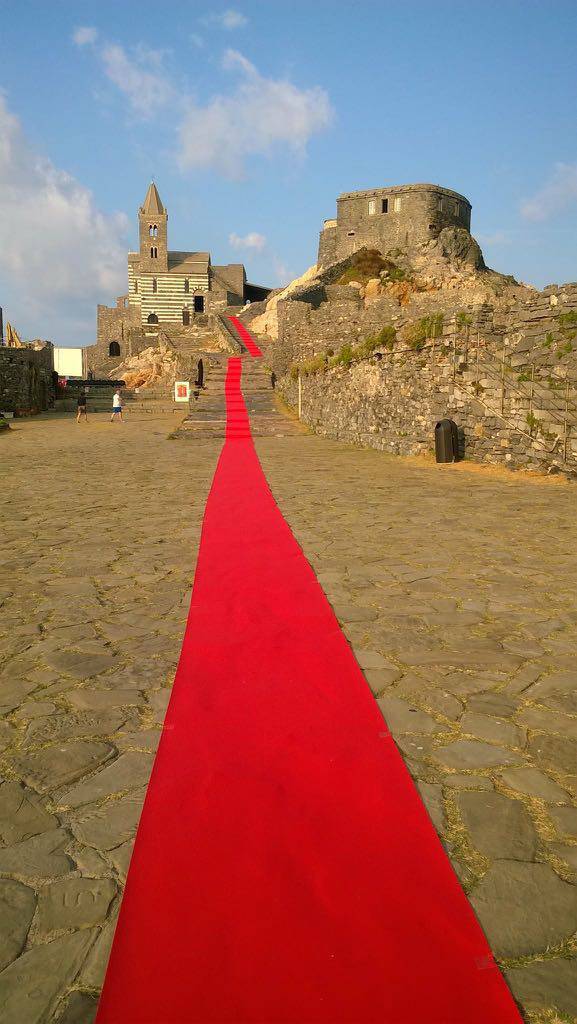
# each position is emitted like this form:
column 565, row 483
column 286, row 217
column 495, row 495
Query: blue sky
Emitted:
column 253, row 116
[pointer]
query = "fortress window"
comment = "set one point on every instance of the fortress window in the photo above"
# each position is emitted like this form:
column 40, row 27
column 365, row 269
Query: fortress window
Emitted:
column 351, row 234
column 372, row 206
column 385, row 206
column 153, row 253
column 186, row 285
column 114, row 349
column 154, row 285
column 397, row 204
column 185, row 317
column 152, row 318
column 199, row 303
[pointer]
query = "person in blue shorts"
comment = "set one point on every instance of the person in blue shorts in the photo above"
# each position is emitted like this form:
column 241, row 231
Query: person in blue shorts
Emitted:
column 116, row 407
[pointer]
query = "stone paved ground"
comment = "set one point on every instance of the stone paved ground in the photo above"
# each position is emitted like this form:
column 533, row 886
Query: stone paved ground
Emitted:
column 455, row 588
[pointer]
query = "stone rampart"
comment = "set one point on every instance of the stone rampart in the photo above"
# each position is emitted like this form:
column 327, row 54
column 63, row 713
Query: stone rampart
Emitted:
column 26, row 379
column 506, row 374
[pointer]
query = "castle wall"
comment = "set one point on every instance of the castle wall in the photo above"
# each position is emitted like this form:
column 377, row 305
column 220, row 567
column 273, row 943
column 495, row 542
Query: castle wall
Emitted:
column 398, row 217
column 509, row 378
column 26, row 379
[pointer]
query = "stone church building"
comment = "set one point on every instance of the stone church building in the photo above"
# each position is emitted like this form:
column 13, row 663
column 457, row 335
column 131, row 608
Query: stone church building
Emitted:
column 177, row 294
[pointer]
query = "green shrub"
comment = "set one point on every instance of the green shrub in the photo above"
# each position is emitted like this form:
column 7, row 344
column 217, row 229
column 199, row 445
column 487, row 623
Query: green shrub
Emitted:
column 463, row 320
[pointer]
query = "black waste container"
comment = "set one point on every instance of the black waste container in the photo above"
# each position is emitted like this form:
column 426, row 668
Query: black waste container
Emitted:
column 446, row 441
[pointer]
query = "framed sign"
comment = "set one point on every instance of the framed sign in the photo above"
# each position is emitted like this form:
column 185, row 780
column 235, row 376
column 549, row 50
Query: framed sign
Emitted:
column 181, row 391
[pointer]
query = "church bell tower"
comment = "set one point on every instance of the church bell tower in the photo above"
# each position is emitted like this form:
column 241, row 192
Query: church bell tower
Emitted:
column 152, row 223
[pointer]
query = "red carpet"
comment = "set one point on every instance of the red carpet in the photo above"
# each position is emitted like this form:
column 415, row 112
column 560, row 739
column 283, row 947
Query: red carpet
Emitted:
column 247, row 338
column 285, row 871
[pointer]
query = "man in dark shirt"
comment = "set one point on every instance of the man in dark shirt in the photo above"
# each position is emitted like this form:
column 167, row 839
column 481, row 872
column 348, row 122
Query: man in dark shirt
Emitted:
column 82, row 406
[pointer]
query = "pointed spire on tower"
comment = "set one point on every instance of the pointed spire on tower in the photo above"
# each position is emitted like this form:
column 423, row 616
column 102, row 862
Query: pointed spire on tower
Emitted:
column 152, row 203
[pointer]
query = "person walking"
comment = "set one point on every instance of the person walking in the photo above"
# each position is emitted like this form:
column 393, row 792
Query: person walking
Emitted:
column 116, row 407
column 82, row 407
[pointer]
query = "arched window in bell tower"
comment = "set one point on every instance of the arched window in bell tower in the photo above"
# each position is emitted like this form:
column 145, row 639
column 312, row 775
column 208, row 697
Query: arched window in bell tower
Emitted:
column 153, row 252
column 153, row 231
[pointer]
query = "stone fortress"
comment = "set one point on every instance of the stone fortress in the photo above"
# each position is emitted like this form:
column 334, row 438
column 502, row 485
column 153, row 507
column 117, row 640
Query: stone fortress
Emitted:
column 401, row 324
column 400, row 216
column 178, row 297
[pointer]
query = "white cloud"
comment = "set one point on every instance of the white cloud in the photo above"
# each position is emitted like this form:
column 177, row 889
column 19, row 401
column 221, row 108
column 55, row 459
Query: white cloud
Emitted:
column 558, row 192
column 260, row 116
column 147, row 91
column 250, row 241
column 59, row 254
column 228, row 20
column 85, row 35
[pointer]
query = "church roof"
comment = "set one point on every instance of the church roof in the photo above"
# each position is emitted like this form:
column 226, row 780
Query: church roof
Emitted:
column 188, row 262
column 152, row 203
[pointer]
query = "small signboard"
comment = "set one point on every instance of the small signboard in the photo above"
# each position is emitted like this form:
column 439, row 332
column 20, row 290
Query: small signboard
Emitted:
column 181, row 391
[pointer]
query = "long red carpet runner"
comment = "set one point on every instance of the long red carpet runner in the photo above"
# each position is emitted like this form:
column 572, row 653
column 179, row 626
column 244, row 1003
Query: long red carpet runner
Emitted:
column 285, row 870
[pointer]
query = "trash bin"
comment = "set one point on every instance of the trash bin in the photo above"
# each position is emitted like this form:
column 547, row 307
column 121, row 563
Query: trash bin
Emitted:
column 447, row 445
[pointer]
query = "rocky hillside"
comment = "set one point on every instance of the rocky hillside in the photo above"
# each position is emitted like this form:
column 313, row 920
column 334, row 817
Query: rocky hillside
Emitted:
column 386, row 344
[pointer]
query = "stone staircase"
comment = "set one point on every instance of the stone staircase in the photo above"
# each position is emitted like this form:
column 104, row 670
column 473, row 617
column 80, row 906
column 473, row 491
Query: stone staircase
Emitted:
column 207, row 416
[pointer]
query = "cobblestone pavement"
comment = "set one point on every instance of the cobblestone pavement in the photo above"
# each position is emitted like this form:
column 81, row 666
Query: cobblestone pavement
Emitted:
column 455, row 588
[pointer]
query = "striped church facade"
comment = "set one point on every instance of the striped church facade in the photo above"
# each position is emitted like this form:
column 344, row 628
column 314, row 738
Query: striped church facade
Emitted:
column 171, row 292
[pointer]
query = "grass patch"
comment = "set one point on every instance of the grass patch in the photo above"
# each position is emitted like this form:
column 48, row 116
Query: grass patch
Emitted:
column 346, row 356
column 428, row 327
column 368, row 264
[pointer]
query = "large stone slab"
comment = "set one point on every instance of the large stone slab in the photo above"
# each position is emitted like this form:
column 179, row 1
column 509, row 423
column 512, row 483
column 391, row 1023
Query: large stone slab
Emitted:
column 57, row 766
column 500, row 828
column 471, row 754
column 22, row 814
column 548, row 721
column 129, row 771
column 39, row 857
column 402, row 717
column 74, row 903
column 31, row 986
column 432, row 797
column 17, row 906
column 81, row 664
column 524, row 908
column 112, row 824
column 92, row 974
column 74, row 725
column 533, row 782
column 556, row 683
column 483, row 727
column 101, row 700
column 557, row 752
column 546, row 984
column 565, row 819
column 501, row 705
